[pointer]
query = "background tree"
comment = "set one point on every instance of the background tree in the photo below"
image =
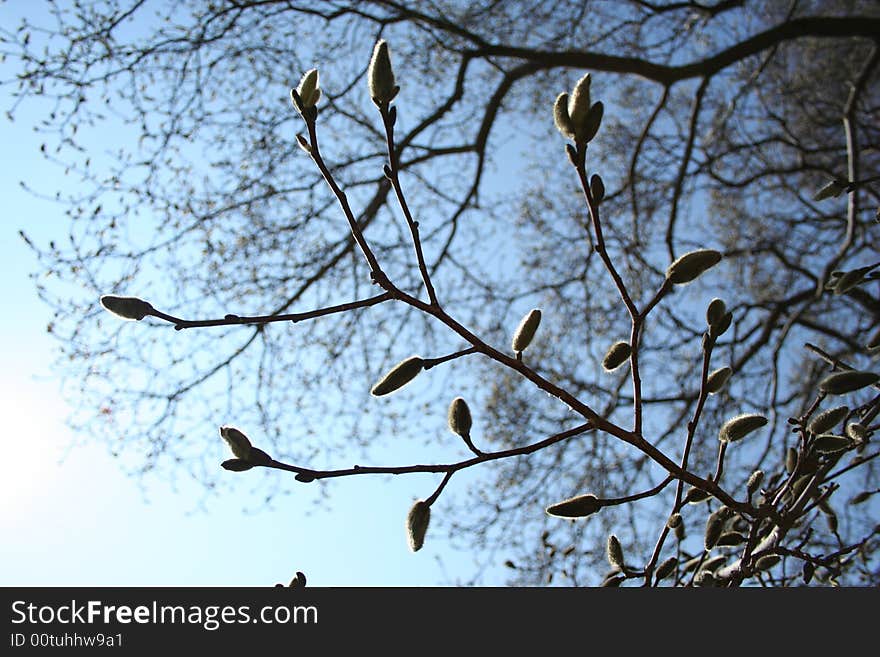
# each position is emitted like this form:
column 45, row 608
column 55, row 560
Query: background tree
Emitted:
column 721, row 123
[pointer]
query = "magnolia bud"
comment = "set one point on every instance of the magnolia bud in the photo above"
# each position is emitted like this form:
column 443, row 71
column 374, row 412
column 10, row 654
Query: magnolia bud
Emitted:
column 716, row 380
column 740, row 426
column 237, row 465
column 308, row 90
column 841, row 383
column 126, row 307
column 401, row 374
column 381, row 76
column 614, row 553
column 524, row 333
column 689, row 266
column 830, row 444
column 714, row 527
column 754, row 482
column 597, row 188
column 237, row 441
column 579, row 103
column 591, row 124
column 459, row 417
column 666, row 568
column 715, row 311
column 417, row 525
column 616, row 356
column 767, row 562
column 827, row 420
column 576, row 507
column 832, row 190
column 791, row 459
column 561, row 117
column 720, row 327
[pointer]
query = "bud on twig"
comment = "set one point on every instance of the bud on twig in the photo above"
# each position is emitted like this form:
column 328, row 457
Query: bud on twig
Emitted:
column 754, row 482
column 380, row 75
column 740, row 426
column 576, row 507
column 237, row 441
column 614, row 553
column 524, row 333
column 716, row 380
column 308, row 91
column 689, row 266
column 597, row 188
column 616, row 356
column 130, row 308
column 417, row 525
column 459, row 418
column 841, row 383
column 715, row 311
column 666, row 568
column 401, row 374
column 827, row 420
column 561, row 118
column 832, row 190
column 237, row 465
column 830, row 444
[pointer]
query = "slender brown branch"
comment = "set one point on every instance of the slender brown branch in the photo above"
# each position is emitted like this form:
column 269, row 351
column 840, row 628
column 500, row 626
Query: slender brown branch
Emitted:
column 389, row 116
column 448, row 468
column 230, row 320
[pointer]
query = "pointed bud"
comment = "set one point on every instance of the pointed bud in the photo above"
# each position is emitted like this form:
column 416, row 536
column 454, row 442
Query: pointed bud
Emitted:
column 857, row 431
column 417, row 525
column 590, row 126
column 614, row 553
column 674, row 521
column 304, row 144
column 720, row 327
column 612, row 581
column 524, row 333
column 717, row 379
column 576, row 507
column 579, row 103
column 754, row 482
column 689, row 266
column 237, row 441
column 401, row 374
column 730, row 539
column 383, row 87
column 561, row 118
column 740, row 426
column 767, row 562
column 848, row 281
column 679, row 532
column 126, row 307
column 828, row 443
column 862, row 497
column 832, row 190
column 715, row 311
column 459, row 418
column 597, row 188
column 237, row 465
column 714, row 527
column 666, row 568
column 616, row 356
column 791, row 459
column 827, row 420
column 841, row 383
column 308, row 90
column 695, row 495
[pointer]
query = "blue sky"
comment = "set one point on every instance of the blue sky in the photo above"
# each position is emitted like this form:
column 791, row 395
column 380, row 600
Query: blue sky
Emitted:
column 71, row 517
